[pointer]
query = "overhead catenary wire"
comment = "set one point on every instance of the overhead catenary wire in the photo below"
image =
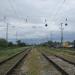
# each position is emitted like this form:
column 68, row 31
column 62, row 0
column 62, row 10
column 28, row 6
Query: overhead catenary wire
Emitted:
column 59, row 7
column 13, row 8
column 59, row 18
column 16, row 12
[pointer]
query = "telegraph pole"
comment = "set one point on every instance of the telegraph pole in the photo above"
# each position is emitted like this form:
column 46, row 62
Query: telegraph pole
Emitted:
column 62, row 29
column 61, row 34
column 7, row 31
column 7, row 25
column 6, row 28
column 51, row 36
column 16, row 36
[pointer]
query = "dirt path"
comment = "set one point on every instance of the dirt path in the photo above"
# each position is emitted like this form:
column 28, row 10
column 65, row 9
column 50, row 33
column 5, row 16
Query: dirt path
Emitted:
column 36, row 64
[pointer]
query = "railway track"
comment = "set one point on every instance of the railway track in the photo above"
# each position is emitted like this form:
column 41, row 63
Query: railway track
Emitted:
column 65, row 67
column 36, row 64
column 7, row 66
column 69, row 61
column 56, row 64
column 2, row 61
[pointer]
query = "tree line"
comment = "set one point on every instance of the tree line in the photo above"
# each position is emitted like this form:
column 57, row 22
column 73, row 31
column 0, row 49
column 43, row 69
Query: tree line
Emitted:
column 5, row 43
column 57, row 44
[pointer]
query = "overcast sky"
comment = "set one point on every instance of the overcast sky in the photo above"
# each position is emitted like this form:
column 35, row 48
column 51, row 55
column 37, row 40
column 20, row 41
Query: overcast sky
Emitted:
column 36, row 11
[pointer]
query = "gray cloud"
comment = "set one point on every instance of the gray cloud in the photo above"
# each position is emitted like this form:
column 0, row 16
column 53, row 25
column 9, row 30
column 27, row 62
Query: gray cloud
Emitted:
column 55, row 11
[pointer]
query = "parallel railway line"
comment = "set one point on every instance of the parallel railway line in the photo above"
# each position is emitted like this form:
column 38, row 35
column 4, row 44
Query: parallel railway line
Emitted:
column 58, row 64
column 73, row 63
column 7, row 66
column 61, row 64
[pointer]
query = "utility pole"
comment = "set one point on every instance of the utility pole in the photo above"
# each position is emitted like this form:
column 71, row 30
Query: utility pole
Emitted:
column 51, row 36
column 16, row 36
column 7, row 31
column 7, row 25
column 61, row 34
column 6, row 28
column 62, row 29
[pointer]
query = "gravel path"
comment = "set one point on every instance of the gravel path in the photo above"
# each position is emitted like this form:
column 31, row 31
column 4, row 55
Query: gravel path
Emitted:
column 36, row 64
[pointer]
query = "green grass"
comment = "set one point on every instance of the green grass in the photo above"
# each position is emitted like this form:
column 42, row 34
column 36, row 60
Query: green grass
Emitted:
column 57, row 50
column 66, row 53
column 6, row 53
column 34, row 67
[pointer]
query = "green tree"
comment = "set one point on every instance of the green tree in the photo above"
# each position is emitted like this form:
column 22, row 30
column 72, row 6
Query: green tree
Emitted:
column 10, row 44
column 19, row 43
column 3, row 43
column 74, row 43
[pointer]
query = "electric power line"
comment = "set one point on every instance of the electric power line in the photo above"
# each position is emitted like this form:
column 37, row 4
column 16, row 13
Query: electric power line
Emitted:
column 15, row 11
column 13, row 8
column 59, row 9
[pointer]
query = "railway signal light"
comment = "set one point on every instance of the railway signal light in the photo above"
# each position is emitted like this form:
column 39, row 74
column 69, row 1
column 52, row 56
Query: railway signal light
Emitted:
column 66, row 24
column 46, row 25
